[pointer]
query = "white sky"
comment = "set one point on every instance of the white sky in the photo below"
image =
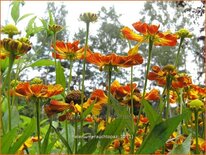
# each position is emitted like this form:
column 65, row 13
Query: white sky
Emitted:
column 128, row 9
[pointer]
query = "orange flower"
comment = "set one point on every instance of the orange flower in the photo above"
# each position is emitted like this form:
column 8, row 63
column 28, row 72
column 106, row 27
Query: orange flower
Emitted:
column 153, row 95
column 160, row 39
column 181, row 81
column 27, row 90
column 55, row 107
column 114, row 60
column 173, row 97
column 28, row 143
column 101, row 99
column 3, row 52
column 67, row 50
column 121, row 91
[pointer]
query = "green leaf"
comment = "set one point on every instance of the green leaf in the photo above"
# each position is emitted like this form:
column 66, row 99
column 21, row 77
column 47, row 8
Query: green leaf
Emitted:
column 89, row 109
column 42, row 62
column 26, row 134
column 159, row 135
column 60, row 77
column 4, row 64
column 24, row 16
column 51, row 19
column 183, row 148
column 7, row 140
column 152, row 115
column 122, row 112
column 63, row 140
column 112, row 131
column 45, row 142
column 15, row 11
column 89, row 147
column 15, row 118
column 30, row 27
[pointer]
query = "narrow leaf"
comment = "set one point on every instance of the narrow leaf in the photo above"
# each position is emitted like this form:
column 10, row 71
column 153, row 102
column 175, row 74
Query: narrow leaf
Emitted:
column 152, row 115
column 46, row 140
column 15, row 11
column 51, row 19
column 183, row 148
column 122, row 112
column 60, row 77
column 42, row 62
column 63, row 140
column 112, row 131
column 26, row 134
column 24, row 16
column 159, row 135
column 89, row 109
column 89, row 147
column 7, row 140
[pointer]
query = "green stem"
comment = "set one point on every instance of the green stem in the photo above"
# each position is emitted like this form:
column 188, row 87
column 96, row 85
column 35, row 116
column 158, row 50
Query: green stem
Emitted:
column 178, row 53
column 54, row 44
column 8, row 77
column 16, row 76
column 38, row 123
column 75, row 130
column 196, row 132
column 109, row 92
column 83, row 78
column 70, row 74
column 168, row 79
column 144, row 91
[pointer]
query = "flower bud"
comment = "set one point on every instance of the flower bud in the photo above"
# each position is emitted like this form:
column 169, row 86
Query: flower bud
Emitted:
column 16, row 47
column 88, row 17
column 55, row 28
column 36, row 81
column 74, row 96
column 184, row 33
column 196, row 105
column 14, row 83
column 10, row 29
column 169, row 68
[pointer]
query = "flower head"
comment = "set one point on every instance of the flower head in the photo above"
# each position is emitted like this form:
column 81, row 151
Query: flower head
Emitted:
column 88, row 17
column 146, row 31
column 16, row 47
column 27, row 90
column 183, row 33
column 10, row 29
column 99, row 99
column 69, row 51
column 114, row 60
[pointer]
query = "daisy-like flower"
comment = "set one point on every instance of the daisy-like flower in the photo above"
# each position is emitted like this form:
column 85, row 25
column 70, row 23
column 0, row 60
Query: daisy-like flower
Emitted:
column 100, row 99
column 27, row 144
column 114, row 60
column 27, row 90
column 153, row 95
column 146, row 31
column 69, row 51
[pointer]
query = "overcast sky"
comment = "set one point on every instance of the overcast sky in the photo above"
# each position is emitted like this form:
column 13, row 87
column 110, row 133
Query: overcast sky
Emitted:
column 128, row 9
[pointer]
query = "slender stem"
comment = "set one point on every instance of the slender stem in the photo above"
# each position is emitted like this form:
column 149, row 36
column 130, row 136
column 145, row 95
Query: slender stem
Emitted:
column 16, row 76
column 196, row 132
column 75, row 130
column 144, row 91
column 54, row 44
column 109, row 93
column 83, row 77
column 70, row 75
column 178, row 53
column 8, row 77
column 168, row 96
column 38, row 123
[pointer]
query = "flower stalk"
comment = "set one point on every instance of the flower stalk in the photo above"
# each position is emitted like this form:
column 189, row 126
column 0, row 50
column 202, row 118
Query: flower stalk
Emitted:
column 83, row 77
column 178, row 53
column 38, row 123
column 109, row 92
